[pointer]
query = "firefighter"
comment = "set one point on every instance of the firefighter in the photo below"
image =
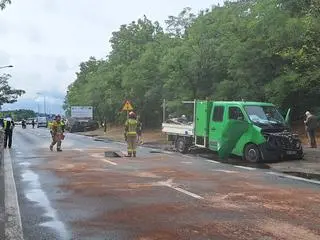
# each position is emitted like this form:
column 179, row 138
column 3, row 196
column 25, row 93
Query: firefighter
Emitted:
column 131, row 127
column 8, row 125
column 57, row 130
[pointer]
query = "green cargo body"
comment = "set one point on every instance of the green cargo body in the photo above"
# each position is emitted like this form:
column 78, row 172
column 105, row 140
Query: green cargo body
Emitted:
column 202, row 118
column 252, row 130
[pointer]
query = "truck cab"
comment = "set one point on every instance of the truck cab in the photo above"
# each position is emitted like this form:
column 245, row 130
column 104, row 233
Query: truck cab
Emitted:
column 255, row 131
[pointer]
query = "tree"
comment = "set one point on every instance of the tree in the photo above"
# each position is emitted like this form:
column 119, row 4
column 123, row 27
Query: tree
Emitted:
column 20, row 114
column 257, row 50
column 7, row 94
column 3, row 3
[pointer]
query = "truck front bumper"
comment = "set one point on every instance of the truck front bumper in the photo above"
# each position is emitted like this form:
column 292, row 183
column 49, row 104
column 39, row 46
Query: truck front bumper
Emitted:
column 274, row 153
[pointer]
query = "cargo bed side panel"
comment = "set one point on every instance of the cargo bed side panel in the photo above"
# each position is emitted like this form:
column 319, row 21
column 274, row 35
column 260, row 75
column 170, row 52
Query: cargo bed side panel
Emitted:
column 203, row 110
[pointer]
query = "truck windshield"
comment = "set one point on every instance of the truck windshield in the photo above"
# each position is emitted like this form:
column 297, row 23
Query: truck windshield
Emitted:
column 264, row 115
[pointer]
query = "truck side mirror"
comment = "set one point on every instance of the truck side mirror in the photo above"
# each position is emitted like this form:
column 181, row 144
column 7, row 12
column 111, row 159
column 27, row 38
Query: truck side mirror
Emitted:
column 287, row 119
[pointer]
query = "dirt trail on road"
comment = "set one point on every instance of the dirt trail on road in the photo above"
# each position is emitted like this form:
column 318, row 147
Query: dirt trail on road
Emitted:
column 241, row 205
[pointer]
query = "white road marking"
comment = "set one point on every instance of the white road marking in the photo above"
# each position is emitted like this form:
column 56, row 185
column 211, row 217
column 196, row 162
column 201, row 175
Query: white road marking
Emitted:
column 293, row 177
column 187, row 156
column 187, row 162
column 211, row 161
column 110, row 162
column 79, row 149
column 247, row 168
column 169, row 184
column 167, row 152
column 13, row 225
column 97, row 155
column 222, row 170
column 186, row 192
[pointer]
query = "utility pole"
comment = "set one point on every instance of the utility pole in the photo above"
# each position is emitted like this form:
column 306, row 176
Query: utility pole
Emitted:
column 44, row 102
column 44, row 105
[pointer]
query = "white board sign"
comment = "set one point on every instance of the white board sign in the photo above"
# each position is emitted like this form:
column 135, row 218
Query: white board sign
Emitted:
column 84, row 112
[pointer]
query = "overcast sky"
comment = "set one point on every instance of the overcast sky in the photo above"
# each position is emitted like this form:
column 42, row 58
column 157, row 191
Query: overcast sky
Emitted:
column 46, row 40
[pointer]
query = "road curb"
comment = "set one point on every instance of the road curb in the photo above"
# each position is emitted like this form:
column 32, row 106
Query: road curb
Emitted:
column 13, row 225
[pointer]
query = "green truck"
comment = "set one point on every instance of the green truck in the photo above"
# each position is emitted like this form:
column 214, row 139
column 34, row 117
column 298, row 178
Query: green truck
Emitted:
column 255, row 131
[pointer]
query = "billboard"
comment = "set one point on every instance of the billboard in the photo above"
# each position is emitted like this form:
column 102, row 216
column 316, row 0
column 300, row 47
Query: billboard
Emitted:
column 83, row 112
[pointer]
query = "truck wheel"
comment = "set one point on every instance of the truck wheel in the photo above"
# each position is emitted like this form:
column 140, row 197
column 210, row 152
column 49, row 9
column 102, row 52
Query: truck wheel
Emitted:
column 181, row 145
column 252, row 153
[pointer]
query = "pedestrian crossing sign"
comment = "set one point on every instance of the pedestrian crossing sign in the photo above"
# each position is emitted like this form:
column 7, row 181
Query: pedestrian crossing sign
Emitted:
column 127, row 106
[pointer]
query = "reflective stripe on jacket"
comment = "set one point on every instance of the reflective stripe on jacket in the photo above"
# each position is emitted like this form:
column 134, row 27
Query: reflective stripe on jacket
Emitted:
column 57, row 127
column 131, row 126
column 5, row 124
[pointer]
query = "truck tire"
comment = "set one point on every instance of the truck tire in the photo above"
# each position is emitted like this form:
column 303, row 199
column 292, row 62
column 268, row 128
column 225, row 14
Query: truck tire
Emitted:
column 181, row 145
column 252, row 153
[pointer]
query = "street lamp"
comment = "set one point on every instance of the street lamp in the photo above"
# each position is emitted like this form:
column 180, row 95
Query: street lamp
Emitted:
column 9, row 66
column 44, row 103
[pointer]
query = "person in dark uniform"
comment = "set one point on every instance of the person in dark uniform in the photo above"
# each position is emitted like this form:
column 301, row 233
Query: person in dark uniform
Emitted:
column 8, row 125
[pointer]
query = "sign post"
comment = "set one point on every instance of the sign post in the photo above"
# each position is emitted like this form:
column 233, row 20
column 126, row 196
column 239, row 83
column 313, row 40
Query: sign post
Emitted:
column 127, row 107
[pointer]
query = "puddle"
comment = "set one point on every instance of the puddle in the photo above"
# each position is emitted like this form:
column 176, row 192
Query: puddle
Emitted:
column 30, row 157
column 155, row 151
column 24, row 164
column 312, row 176
column 35, row 194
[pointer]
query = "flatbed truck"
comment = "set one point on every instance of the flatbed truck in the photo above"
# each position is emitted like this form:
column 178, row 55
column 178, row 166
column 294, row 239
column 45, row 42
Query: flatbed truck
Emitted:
column 255, row 131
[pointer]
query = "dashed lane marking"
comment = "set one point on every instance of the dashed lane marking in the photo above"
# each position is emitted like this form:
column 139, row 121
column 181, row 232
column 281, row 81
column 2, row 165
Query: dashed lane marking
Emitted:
column 294, row 177
column 247, row 168
column 186, row 162
column 211, row 161
column 225, row 171
column 13, row 225
column 186, row 156
column 79, row 149
column 100, row 157
column 169, row 184
column 110, row 162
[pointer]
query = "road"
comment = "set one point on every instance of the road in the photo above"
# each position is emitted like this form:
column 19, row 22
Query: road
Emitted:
column 81, row 194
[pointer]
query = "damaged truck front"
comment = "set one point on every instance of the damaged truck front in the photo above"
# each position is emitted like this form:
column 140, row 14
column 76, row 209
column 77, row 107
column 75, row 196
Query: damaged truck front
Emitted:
column 255, row 131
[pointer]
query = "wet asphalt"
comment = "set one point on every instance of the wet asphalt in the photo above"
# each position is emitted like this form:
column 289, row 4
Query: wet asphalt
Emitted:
column 37, row 191
column 46, row 215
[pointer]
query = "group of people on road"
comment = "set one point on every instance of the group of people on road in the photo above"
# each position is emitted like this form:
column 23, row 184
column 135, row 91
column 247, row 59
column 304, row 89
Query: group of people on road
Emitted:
column 132, row 133
column 24, row 123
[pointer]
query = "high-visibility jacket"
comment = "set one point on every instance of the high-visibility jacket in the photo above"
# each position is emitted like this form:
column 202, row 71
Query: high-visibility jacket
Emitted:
column 131, row 126
column 57, row 127
column 6, row 124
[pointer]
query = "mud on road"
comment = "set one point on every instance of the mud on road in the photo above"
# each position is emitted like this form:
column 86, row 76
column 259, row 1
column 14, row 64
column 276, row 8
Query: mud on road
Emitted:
column 150, row 197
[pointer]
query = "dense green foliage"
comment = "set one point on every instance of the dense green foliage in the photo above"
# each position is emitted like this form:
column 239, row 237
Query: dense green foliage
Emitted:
column 261, row 50
column 20, row 114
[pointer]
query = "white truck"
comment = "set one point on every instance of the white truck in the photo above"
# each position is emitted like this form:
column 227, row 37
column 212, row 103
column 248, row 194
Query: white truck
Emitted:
column 42, row 122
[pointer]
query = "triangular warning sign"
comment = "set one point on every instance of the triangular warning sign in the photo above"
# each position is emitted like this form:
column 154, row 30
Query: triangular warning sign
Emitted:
column 127, row 106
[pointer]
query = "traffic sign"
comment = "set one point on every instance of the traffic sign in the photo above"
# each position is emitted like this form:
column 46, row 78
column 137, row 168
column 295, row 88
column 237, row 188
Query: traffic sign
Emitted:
column 127, row 106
